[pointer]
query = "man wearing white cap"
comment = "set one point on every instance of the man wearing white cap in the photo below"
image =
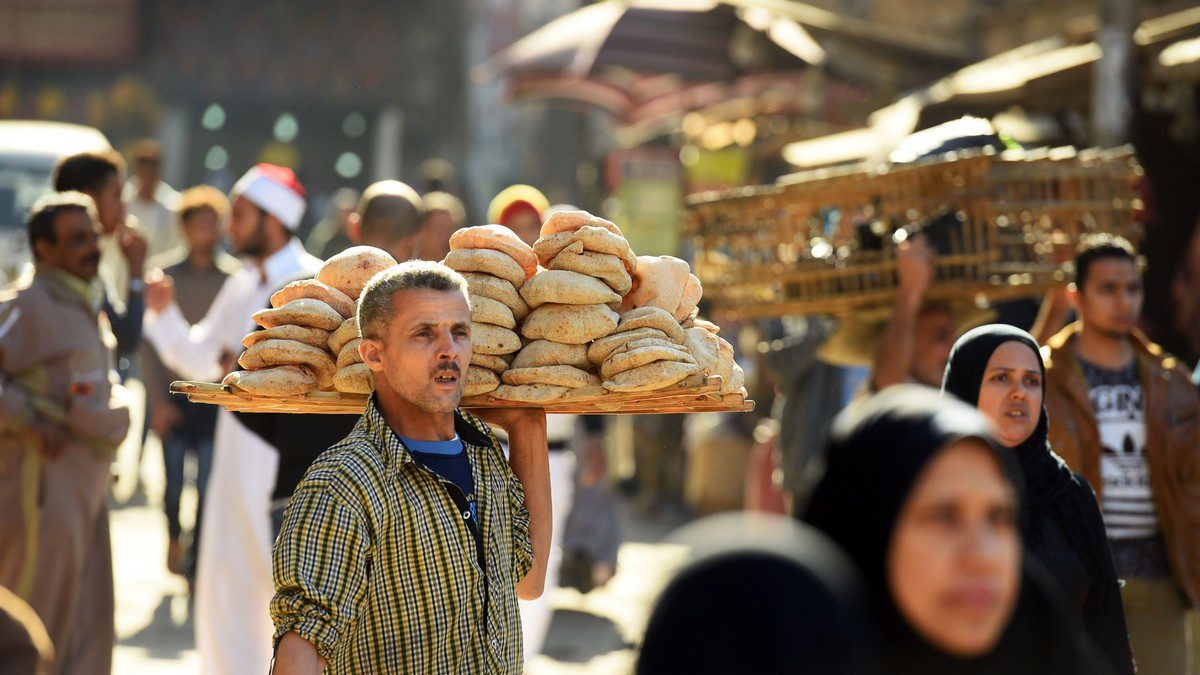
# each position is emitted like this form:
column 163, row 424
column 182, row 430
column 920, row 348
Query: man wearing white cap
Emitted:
column 233, row 575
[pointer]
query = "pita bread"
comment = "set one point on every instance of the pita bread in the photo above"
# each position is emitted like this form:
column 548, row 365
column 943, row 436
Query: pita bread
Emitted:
column 344, row 333
column 651, row 317
column 658, row 281
column 628, row 359
column 480, row 381
column 487, row 310
column 311, row 288
column 696, row 322
column 496, row 363
column 275, row 381
column 651, row 377
column 567, row 288
column 586, row 392
column 562, row 376
column 547, row 353
column 355, row 379
column 692, row 291
column 704, row 347
column 529, row 393
column 349, row 354
column 725, row 349
column 604, row 266
column 569, row 324
column 309, row 336
column 287, row 352
column 495, row 288
column 599, row 350
column 569, row 221
column 735, row 380
column 489, row 339
column 350, row 270
column 303, row 312
column 496, row 238
column 595, row 239
column 486, row 261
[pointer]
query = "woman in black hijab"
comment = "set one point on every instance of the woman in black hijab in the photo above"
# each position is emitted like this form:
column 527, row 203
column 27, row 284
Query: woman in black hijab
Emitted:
column 925, row 503
column 999, row 370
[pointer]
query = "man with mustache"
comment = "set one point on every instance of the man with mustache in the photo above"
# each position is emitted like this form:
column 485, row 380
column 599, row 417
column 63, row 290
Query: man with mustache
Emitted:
column 1124, row 415
column 62, row 417
column 406, row 545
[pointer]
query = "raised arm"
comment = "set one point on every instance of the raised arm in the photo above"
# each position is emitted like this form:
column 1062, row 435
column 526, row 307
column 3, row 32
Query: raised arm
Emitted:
column 195, row 352
column 894, row 350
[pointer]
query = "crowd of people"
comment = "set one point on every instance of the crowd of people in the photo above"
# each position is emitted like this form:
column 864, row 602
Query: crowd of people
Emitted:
column 982, row 500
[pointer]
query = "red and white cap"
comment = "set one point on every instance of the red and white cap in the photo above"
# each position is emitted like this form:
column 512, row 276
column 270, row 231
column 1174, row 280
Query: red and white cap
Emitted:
column 273, row 189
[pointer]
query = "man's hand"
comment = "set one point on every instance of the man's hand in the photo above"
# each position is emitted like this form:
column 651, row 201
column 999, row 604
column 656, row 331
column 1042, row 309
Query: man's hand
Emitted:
column 513, row 420
column 160, row 291
column 914, row 267
column 133, row 247
column 51, row 438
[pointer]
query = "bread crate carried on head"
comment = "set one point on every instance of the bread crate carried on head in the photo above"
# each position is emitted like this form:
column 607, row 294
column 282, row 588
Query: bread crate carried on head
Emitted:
column 824, row 241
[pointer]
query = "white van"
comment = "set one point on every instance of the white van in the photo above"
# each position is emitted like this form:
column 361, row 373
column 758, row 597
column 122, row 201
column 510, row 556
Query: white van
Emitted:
column 28, row 152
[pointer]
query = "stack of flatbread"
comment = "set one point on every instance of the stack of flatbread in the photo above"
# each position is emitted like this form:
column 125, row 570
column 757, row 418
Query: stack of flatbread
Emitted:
column 496, row 264
column 646, row 352
column 305, row 345
column 714, row 355
column 572, row 302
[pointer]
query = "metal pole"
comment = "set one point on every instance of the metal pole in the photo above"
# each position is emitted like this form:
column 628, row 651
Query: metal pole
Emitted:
column 1113, row 89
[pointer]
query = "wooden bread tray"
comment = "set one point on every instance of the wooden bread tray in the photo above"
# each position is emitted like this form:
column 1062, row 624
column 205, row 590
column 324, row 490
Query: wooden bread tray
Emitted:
column 694, row 394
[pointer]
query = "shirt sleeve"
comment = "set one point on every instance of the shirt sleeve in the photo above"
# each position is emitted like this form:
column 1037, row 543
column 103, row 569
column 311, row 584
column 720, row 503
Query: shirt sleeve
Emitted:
column 320, row 567
column 522, row 545
column 127, row 325
column 15, row 411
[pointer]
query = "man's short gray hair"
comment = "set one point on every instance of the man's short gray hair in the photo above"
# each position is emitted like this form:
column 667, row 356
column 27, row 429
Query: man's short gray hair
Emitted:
column 375, row 303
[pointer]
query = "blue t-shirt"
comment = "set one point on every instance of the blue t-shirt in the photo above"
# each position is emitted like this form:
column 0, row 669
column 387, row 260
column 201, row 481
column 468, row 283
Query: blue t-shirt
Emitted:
column 449, row 460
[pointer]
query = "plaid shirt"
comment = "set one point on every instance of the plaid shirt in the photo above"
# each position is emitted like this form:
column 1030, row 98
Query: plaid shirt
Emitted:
column 376, row 567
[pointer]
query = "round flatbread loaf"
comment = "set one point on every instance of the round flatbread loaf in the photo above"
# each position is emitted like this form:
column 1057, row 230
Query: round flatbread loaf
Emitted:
column 350, row 270
column 569, row 221
column 528, row 393
column 480, row 381
column 595, row 239
column 288, row 352
column 569, row 324
column 344, row 333
column 488, row 286
column 487, row 310
column 696, row 322
column 604, row 266
column 734, row 382
column 567, row 288
column 658, row 281
column 497, row 363
column 311, row 288
column 692, row 292
column 486, row 261
column 489, row 339
column 496, row 238
column 562, row 376
column 627, row 359
column 349, row 354
column 651, row 317
column 309, row 336
column 599, row 350
column 704, row 347
column 355, row 379
column 302, row 312
column 547, row 353
column 274, row 381
column 651, row 377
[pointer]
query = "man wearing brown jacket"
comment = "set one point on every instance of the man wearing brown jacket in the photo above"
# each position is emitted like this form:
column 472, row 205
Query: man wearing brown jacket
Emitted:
column 1124, row 414
column 62, row 416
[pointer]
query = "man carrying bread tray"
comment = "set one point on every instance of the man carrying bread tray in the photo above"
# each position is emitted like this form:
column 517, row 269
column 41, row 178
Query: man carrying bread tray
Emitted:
column 233, row 582
column 406, row 545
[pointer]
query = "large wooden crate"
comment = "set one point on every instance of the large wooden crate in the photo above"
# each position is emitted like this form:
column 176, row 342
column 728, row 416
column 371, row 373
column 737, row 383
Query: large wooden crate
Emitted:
column 824, row 241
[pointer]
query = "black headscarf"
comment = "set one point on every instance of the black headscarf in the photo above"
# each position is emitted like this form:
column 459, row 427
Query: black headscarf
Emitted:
column 877, row 449
column 1046, row 475
column 762, row 595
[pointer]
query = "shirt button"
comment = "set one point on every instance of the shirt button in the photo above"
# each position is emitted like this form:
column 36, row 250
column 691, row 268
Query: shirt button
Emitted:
column 466, row 515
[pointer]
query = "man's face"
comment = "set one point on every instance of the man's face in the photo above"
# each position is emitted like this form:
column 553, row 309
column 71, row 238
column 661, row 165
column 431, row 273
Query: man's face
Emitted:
column 109, row 205
column 76, row 249
column 433, row 239
column 147, row 171
column 526, row 223
column 1111, row 298
column 202, row 230
column 247, row 228
column 426, row 349
column 936, row 331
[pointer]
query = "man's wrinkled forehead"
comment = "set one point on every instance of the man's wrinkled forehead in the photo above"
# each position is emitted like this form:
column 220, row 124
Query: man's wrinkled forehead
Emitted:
column 413, row 308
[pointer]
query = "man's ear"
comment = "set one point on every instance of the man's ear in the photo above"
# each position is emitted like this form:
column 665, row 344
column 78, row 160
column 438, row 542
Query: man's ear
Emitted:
column 41, row 249
column 354, row 228
column 371, row 351
column 1073, row 296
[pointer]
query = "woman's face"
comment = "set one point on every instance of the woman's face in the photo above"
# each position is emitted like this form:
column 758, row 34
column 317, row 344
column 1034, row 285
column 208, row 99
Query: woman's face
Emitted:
column 1011, row 392
column 955, row 557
